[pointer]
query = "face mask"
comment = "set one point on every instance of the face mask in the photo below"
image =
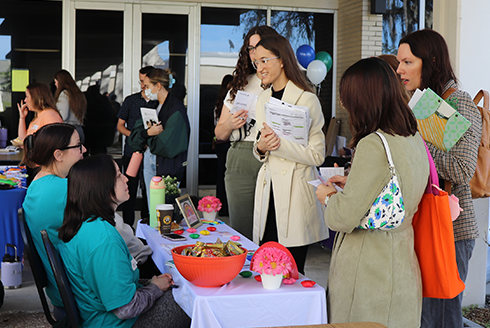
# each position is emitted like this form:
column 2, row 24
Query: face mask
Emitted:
column 150, row 95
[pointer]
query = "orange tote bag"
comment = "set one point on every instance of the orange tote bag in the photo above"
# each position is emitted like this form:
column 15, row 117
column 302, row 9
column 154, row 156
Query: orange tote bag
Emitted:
column 434, row 242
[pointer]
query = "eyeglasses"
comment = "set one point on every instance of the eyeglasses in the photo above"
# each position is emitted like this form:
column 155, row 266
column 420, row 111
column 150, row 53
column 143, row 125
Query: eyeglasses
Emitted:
column 263, row 61
column 251, row 48
column 71, row 147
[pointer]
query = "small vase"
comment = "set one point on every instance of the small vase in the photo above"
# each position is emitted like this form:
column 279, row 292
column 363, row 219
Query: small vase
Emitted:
column 211, row 216
column 271, row 282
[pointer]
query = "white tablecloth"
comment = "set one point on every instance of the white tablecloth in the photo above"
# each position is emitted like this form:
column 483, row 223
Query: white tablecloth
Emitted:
column 243, row 302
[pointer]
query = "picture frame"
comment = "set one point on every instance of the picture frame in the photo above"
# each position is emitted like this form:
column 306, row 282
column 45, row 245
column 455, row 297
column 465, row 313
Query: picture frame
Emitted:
column 188, row 211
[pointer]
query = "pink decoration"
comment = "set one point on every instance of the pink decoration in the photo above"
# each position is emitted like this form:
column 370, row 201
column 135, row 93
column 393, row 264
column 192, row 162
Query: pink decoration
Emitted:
column 288, row 281
column 191, row 230
column 271, row 260
column 209, row 204
column 235, row 238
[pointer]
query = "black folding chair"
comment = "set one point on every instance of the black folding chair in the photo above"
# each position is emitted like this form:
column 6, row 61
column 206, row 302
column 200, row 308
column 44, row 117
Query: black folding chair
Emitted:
column 37, row 266
column 62, row 281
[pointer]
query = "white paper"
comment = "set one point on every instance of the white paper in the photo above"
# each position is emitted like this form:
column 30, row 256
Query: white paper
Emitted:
column 247, row 101
column 328, row 172
column 288, row 121
column 415, row 97
column 149, row 117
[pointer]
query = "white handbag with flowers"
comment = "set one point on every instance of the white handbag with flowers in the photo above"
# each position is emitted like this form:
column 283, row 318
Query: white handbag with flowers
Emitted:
column 388, row 209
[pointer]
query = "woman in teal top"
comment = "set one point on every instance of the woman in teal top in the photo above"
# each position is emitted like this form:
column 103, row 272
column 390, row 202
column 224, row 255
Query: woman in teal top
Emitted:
column 103, row 274
column 57, row 148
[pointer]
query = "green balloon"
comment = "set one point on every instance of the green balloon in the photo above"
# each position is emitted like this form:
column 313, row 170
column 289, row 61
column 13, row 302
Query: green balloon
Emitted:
column 325, row 58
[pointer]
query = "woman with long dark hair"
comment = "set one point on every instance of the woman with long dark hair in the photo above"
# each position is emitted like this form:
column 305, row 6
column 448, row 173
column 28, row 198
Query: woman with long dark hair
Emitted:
column 286, row 209
column 70, row 101
column 102, row 272
column 240, row 129
column 425, row 63
column 374, row 274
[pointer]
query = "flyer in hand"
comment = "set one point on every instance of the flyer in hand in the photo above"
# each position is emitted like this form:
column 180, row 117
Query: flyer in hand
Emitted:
column 438, row 122
column 288, row 121
column 247, row 101
column 149, row 117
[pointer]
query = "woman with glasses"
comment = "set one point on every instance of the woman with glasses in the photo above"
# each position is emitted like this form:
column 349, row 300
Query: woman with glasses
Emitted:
column 240, row 129
column 286, row 209
column 55, row 148
column 40, row 101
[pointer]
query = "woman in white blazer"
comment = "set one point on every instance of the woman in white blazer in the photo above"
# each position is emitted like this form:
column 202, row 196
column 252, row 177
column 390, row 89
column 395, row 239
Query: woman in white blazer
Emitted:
column 286, row 208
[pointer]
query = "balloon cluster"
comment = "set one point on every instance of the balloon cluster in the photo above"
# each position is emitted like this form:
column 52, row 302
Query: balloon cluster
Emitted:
column 317, row 65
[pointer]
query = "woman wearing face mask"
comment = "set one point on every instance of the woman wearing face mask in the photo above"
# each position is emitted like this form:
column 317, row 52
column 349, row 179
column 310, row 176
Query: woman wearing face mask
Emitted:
column 40, row 101
column 102, row 272
column 424, row 63
column 286, row 208
column 241, row 166
column 167, row 140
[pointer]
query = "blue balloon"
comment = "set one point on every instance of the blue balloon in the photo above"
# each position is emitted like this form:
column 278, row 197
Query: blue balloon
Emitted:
column 305, row 55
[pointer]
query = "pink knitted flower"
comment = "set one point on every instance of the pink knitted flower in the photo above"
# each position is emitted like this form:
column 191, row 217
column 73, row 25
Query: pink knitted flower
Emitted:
column 271, row 260
column 209, row 204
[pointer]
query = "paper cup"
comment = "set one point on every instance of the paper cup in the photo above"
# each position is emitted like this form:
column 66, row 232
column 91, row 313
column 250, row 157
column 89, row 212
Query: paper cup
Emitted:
column 164, row 217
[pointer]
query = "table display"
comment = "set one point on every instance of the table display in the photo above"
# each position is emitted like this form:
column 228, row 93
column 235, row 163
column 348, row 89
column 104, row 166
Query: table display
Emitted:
column 11, row 201
column 243, row 302
column 13, row 158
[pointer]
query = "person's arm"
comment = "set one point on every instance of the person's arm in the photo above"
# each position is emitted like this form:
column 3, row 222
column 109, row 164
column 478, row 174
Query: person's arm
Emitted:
column 229, row 122
column 173, row 140
column 136, row 139
column 63, row 105
column 121, row 127
column 23, row 111
column 145, row 297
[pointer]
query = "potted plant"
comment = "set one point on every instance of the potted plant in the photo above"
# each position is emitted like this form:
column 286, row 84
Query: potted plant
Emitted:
column 209, row 206
column 172, row 190
column 273, row 264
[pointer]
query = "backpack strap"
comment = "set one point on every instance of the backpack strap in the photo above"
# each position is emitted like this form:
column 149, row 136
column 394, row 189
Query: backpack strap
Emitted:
column 448, row 92
column 486, row 98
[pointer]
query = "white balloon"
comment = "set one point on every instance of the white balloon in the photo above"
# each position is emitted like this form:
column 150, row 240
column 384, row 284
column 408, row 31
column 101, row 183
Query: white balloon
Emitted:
column 316, row 71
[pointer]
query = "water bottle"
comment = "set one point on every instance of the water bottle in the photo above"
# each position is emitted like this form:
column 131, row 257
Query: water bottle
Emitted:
column 11, row 269
column 134, row 164
column 157, row 196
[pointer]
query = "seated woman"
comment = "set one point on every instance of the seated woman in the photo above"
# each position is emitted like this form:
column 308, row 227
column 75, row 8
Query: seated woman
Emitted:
column 103, row 274
column 54, row 148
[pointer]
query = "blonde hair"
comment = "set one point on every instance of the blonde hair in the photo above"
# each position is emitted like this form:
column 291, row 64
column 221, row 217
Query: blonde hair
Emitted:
column 163, row 76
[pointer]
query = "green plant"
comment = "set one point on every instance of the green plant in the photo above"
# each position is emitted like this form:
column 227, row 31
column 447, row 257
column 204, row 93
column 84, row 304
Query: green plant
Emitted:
column 171, row 185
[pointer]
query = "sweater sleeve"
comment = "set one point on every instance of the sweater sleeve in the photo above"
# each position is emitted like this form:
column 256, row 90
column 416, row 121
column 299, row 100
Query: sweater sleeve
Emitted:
column 173, row 140
column 142, row 301
column 137, row 140
column 63, row 105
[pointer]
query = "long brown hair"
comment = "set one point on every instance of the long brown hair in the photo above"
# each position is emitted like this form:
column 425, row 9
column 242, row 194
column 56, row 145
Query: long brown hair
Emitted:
column 244, row 65
column 91, row 194
column 370, row 92
column 223, row 90
column 431, row 47
column 76, row 99
column 41, row 96
column 393, row 62
column 280, row 46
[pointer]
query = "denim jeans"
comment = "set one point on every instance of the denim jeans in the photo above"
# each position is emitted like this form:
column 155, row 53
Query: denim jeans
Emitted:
column 149, row 171
column 446, row 313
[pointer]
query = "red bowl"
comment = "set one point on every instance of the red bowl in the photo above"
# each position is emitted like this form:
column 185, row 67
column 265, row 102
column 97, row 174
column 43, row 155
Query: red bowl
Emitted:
column 208, row 271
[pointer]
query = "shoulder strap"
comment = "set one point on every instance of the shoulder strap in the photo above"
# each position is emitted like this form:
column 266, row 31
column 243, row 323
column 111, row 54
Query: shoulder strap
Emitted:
column 387, row 149
column 448, row 92
column 486, row 98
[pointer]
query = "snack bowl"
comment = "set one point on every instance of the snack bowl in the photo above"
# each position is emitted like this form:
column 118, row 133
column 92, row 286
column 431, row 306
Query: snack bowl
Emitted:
column 208, row 271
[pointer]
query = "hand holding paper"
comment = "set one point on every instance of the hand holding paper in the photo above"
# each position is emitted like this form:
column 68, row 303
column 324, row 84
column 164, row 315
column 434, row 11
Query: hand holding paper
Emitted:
column 269, row 140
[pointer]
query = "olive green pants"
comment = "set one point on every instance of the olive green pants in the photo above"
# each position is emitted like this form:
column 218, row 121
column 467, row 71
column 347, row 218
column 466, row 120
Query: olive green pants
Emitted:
column 240, row 177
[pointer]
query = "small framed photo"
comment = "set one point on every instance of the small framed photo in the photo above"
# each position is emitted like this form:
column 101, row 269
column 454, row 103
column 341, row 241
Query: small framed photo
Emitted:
column 189, row 211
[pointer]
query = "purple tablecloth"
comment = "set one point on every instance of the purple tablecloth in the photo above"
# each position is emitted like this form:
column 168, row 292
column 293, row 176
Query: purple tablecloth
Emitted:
column 10, row 201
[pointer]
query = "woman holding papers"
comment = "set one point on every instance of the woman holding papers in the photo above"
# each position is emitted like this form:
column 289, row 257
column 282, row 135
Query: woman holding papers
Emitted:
column 167, row 140
column 286, row 209
column 238, row 125
column 374, row 274
column 424, row 63
column 102, row 272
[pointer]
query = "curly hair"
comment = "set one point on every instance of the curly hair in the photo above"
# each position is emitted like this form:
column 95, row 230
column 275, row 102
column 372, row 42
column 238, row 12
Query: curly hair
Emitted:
column 244, row 65
column 76, row 99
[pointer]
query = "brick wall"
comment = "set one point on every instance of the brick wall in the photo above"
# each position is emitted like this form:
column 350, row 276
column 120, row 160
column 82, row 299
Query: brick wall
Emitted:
column 359, row 36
